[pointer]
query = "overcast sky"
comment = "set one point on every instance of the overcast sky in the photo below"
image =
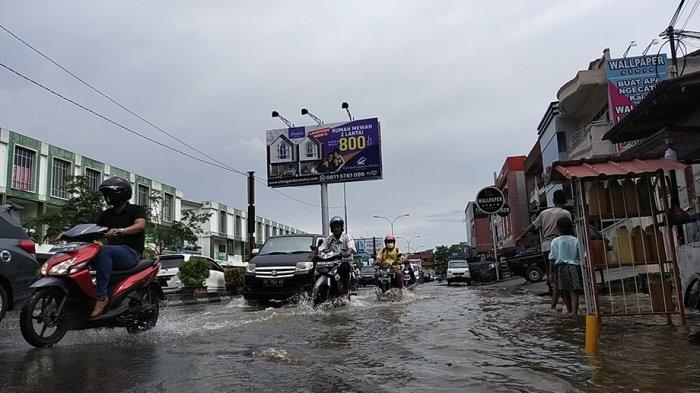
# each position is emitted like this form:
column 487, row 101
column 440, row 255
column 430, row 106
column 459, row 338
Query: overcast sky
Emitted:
column 457, row 86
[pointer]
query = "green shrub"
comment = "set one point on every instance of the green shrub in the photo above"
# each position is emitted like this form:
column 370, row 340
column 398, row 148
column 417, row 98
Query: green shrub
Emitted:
column 148, row 254
column 234, row 277
column 194, row 272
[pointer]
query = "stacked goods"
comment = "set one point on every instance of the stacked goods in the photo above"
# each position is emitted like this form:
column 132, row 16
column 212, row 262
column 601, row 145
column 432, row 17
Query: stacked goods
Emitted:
column 623, row 246
column 629, row 192
column 598, row 200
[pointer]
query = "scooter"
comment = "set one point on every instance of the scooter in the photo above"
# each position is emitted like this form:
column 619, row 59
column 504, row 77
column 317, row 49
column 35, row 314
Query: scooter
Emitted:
column 326, row 278
column 65, row 295
column 409, row 278
column 385, row 278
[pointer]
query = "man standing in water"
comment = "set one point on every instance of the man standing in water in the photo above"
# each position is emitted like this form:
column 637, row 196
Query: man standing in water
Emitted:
column 546, row 224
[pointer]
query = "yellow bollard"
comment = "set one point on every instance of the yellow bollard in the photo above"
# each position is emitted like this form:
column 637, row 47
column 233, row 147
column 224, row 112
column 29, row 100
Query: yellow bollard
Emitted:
column 592, row 330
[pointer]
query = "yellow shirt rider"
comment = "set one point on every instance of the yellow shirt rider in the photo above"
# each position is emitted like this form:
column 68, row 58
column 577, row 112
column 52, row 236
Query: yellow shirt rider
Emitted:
column 390, row 255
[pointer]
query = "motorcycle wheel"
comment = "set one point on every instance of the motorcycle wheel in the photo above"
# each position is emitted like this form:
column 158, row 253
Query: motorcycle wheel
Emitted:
column 40, row 325
column 148, row 315
column 321, row 295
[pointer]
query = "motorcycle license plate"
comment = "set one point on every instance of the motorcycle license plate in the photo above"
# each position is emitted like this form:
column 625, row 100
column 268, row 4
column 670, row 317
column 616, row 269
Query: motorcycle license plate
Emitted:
column 273, row 282
column 67, row 247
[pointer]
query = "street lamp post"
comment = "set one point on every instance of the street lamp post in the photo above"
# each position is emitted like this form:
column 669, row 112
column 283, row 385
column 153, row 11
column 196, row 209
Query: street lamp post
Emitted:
column 391, row 222
column 408, row 241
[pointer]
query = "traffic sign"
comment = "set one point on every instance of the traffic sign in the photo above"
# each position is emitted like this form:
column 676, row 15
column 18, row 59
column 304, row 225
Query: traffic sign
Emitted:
column 490, row 200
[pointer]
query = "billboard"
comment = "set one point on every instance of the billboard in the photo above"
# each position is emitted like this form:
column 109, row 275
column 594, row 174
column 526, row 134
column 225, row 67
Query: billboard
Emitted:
column 327, row 153
column 630, row 79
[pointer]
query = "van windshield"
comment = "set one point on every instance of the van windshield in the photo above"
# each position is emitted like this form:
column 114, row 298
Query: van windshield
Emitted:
column 287, row 245
column 457, row 264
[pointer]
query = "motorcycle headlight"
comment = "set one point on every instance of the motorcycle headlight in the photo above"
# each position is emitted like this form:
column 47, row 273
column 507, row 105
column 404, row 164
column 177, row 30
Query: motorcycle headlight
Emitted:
column 62, row 268
column 304, row 266
column 77, row 267
column 250, row 268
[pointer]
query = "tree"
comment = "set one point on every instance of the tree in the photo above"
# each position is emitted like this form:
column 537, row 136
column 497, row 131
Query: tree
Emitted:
column 83, row 207
column 442, row 256
column 173, row 235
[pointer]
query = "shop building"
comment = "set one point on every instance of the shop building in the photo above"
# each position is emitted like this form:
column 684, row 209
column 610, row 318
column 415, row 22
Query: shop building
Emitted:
column 223, row 236
column 478, row 229
column 511, row 182
column 33, row 174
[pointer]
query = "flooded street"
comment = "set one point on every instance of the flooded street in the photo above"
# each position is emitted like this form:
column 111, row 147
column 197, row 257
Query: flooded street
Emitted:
column 437, row 338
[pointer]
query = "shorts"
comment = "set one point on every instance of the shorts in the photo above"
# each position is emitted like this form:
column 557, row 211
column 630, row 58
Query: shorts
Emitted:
column 569, row 277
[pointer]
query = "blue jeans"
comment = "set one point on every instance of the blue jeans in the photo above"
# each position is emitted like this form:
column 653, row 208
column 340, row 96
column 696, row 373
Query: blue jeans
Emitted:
column 109, row 258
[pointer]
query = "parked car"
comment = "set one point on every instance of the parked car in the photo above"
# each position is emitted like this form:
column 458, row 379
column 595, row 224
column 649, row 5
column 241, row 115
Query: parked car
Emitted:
column 366, row 276
column 18, row 266
column 170, row 267
column 281, row 269
column 458, row 271
column 483, row 271
column 528, row 264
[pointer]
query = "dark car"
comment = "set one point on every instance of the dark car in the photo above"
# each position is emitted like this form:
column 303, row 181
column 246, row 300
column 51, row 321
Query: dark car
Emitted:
column 528, row 264
column 281, row 269
column 18, row 267
column 366, row 276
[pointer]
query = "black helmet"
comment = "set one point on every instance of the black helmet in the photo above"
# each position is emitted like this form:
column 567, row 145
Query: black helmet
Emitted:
column 337, row 221
column 115, row 190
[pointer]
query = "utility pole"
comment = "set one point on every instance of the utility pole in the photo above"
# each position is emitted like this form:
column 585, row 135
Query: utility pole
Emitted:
column 251, row 214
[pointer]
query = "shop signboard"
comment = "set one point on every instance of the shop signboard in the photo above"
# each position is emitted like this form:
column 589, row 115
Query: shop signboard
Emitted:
column 327, row 153
column 630, row 80
column 490, row 200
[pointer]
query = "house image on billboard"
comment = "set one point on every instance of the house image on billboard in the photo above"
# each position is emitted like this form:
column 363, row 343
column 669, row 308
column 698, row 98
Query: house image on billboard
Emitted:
column 288, row 159
column 310, row 152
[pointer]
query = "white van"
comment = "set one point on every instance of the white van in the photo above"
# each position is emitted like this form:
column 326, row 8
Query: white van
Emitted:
column 458, row 271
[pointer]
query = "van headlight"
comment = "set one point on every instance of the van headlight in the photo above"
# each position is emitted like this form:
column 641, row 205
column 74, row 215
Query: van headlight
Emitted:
column 250, row 268
column 304, row 266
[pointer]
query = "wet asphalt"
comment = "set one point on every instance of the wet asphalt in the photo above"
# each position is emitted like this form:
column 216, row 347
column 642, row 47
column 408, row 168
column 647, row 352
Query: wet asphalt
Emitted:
column 436, row 338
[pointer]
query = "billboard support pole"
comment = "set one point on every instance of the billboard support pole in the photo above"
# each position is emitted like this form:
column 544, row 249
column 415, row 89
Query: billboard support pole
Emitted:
column 345, row 207
column 325, row 225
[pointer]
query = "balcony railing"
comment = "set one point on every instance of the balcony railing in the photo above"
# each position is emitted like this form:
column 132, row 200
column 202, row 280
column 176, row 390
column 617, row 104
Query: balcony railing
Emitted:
column 577, row 138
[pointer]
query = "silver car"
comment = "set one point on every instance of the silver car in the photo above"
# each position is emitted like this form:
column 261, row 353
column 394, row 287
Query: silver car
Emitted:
column 170, row 267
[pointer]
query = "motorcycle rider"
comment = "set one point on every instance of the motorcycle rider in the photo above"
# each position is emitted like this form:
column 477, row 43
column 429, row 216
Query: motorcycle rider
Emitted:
column 340, row 242
column 126, row 224
column 412, row 273
column 390, row 255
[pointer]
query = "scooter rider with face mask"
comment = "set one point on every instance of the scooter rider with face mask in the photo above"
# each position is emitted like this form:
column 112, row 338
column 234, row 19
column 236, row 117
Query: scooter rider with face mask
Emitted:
column 390, row 255
column 340, row 242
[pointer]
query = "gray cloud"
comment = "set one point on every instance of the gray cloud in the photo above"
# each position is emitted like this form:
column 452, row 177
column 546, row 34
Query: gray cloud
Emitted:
column 457, row 85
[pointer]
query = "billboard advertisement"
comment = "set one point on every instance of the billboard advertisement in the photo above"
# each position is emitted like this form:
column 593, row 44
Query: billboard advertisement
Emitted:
column 327, row 153
column 630, row 79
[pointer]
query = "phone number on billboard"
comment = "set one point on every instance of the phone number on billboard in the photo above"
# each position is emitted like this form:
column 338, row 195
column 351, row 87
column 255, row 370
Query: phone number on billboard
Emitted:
column 342, row 176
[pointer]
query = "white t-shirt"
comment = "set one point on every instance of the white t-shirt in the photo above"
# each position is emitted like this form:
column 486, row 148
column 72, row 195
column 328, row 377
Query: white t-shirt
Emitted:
column 331, row 244
column 546, row 221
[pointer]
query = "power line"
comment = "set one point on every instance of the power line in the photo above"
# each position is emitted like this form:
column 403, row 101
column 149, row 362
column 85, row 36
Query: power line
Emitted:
column 690, row 15
column 112, row 100
column 220, row 165
column 114, row 122
column 214, row 164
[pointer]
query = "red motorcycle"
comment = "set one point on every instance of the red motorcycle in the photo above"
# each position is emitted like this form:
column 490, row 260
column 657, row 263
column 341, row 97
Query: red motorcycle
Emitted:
column 65, row 295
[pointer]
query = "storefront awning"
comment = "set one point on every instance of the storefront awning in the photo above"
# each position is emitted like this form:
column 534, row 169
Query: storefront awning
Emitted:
column 586, row 169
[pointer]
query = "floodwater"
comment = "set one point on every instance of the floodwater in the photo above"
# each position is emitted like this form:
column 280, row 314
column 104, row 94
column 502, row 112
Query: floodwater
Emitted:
column 437, row 338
